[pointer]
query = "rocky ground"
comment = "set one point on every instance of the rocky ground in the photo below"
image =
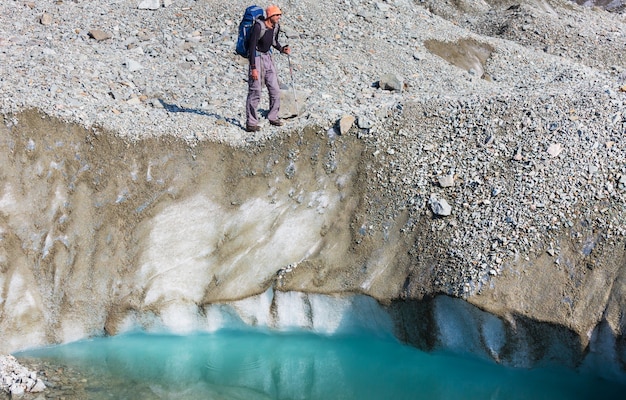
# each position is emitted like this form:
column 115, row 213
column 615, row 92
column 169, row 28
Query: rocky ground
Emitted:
column 18, row 380
column 43, row 379
column 511, row 112
column 490, row 104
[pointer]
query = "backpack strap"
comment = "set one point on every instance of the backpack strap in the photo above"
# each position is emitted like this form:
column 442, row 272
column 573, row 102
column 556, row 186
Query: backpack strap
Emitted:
column 276, row 32
column 261, row 21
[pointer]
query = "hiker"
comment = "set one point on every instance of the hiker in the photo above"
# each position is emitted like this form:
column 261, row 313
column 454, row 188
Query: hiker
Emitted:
column 262, row 68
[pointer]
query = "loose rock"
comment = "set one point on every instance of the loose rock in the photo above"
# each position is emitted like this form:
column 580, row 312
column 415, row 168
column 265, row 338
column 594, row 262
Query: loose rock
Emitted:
column 18, row 380
column 440, row 206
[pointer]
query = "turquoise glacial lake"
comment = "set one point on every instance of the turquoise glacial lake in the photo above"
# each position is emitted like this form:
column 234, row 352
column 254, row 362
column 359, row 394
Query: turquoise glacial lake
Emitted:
column 257, row 365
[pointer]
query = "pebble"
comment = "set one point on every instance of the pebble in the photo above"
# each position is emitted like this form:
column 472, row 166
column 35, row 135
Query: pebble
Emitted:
column 345, row 124
column 446, row 180
column 440, row 206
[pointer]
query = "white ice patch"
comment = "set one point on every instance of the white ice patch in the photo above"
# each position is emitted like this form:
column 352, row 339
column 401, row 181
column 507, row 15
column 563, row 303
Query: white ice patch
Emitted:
column 292, row 311
column 48, row 242
column 142, row 321
column 181, row 318
column 55, row 166
column 58, row 202
column 320, row 201
column 255, row 310
column 176, row 264
column 222, row 316
column 122, row 196
column 128, row 324
column 22, row 299
column 328, row 312
column 7, row 201
column 72, row 331
column 197, row 244
column 349, row 314
column 134, row 173
column 284, row 311
column 21, row 305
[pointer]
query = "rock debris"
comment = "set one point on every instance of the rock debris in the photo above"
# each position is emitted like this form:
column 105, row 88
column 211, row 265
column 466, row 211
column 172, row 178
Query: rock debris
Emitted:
column 511, row 115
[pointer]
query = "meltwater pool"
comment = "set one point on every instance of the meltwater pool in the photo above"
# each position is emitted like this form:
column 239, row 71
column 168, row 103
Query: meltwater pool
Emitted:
column 261, row 365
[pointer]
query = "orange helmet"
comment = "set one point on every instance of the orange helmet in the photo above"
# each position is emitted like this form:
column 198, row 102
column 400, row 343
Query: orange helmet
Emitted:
column 272, row 10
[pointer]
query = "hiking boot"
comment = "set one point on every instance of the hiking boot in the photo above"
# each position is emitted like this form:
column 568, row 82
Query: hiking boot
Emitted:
column 252, row 128
column 277, row 122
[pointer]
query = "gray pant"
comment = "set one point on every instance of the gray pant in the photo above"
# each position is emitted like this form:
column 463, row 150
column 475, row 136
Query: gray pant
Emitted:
column 267, row 74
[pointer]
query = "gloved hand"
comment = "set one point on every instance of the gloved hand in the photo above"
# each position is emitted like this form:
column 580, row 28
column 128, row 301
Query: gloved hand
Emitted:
column 254, row 74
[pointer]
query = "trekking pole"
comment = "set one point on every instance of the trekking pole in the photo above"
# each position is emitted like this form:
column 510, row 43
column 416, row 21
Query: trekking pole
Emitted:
column 293, row 85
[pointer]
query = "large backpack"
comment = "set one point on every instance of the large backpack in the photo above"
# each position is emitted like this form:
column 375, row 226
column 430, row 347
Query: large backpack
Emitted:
column 250, row 16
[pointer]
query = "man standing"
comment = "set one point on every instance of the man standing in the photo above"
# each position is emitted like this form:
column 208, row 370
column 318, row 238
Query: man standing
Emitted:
column 262, row 39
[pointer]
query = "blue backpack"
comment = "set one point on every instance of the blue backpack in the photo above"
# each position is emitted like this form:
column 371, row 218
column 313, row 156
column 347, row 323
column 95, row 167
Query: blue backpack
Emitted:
column 250, row 16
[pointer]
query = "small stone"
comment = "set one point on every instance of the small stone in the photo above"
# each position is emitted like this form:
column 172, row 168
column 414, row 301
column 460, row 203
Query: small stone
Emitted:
column 383, row 7
column 16, row 390
column 39, row 387
column 555, row 149
column 99, row 35
column 133, row 65
column 363, row 123
column 345, row 123
column 446, row 180
column 440, row 206
column 149, row 5
column 390, row 82
column 45, row 19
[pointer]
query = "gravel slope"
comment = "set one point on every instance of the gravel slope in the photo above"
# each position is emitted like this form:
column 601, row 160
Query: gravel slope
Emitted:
column 528, row 125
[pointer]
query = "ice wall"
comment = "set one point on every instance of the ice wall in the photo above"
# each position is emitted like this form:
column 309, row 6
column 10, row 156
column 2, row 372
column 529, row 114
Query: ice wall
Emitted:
column 100, row 236
column 280, row 311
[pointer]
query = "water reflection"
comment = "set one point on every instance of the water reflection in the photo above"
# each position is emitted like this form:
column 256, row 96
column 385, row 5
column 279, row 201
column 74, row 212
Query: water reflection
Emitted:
column 253, row 365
